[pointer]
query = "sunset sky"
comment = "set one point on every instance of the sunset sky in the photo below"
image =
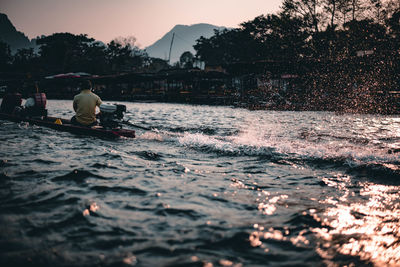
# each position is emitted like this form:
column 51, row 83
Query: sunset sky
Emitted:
column 147, row 20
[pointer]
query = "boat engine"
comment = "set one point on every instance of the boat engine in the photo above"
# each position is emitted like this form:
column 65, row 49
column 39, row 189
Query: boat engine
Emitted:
column 111, row 115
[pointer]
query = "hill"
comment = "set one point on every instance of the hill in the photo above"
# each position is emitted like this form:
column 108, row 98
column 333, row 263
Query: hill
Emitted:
column 185, row 38
column 8, row 34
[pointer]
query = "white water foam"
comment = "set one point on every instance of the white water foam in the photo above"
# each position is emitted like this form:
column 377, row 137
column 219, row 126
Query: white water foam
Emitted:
column 251, row 144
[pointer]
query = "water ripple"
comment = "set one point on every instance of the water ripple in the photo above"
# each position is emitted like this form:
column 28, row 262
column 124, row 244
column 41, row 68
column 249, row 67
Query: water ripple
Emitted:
column 208, row 186
column 118, row 190
column 77, row 176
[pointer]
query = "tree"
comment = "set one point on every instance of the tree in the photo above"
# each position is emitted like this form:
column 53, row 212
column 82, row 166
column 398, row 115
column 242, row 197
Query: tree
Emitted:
column 377, row 10
column 308, row 10
column 186, row 59
column 116, row 55
column 392, row 6
column 272, row 37
column 278, row 37
column 364, row 35
column 357, row 9
column 393, row 24
column 5, row 56
column 24, row 59
column 129, row 41
column 226, row 47
column 331, row 8
column 344, row 11
column 124, row 55
column 157, row 64
column 95, row 58
column 64, row 52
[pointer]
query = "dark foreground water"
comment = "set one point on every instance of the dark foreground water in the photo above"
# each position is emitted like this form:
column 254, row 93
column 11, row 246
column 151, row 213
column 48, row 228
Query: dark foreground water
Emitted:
column 213, row 186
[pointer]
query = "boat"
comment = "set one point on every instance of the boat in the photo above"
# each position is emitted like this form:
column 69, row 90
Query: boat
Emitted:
column 66, row 126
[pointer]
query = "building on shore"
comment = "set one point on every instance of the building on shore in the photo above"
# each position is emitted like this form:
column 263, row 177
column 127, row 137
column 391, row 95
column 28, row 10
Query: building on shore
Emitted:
column 360, row 84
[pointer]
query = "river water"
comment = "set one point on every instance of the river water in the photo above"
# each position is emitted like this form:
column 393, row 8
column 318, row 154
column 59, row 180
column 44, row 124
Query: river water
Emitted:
column 209, row 186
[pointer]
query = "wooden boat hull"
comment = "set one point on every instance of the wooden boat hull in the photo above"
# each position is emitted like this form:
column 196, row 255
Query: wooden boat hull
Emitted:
column 66, row 126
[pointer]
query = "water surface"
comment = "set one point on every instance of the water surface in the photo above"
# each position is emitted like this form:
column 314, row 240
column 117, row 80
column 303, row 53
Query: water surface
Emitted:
column 210, row 186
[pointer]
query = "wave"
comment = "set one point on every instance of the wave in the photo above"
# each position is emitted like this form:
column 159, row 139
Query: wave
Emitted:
column 6, row 163
column 360, row 161
column 186, row 213
column 45, row 161
column 150, row 135
column 148, row 155
column 77, row 175
column 221, row 145
column 103, row 166
column 199, row 129
column 318, row 137
column 118, row 190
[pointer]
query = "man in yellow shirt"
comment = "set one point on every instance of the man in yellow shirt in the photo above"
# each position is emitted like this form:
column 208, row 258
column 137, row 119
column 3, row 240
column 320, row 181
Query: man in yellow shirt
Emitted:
column 85, row 105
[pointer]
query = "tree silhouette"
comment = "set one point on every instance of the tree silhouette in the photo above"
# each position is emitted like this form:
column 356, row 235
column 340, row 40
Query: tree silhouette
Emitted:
column 5, row 56
column 308, row 10
column 123, row 55
column 186, row 59
column 63, row 52
column 24, row 59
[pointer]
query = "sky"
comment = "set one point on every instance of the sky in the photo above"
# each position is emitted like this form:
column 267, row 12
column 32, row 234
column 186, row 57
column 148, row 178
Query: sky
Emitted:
column 147, row 20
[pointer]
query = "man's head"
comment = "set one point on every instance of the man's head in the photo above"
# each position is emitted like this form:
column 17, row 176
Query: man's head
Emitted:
column 85, row 85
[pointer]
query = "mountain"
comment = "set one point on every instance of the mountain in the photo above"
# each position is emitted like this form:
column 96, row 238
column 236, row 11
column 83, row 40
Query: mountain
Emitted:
column 8, row 34
column 184, row 39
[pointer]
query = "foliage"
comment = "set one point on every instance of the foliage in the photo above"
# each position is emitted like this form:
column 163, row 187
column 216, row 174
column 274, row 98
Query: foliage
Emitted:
column 156, row 64
column 278, row 37
column 307, row 10
column 186, row 60
column 5, row 56
column 123, row 55
column 63, row 52
column 345, row 51
column 226, row 47
column 318, row 29
column 66, row 52
column 25, row 59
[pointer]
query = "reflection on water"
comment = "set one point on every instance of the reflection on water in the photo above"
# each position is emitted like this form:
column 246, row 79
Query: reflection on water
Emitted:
column 362, row 222
column 92, row 208
column 369, row 228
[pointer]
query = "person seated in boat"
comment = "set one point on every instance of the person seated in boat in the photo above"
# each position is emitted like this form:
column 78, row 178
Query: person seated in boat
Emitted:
column 11, row 101
column 85, row 105
column 35, row 105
